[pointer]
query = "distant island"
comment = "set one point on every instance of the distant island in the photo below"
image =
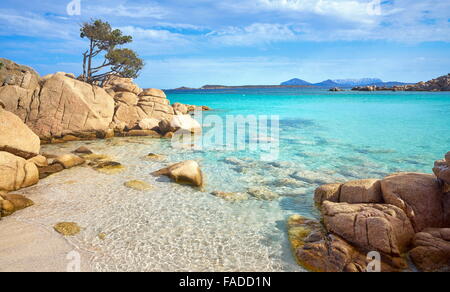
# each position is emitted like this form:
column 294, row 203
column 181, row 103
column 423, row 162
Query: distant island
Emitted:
column 299, row 83
column 213, row 87
column 439, row 84
column 345, row 83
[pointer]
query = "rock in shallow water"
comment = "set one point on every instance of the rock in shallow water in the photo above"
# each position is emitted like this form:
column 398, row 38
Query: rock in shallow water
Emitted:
column 69, row 160
column 262, row 193
column 67, row 228
column 231, row 197
column 312, row 177
column 108, row 167
column 153, row 156
column 83, row 150
column 187, row 172
column 138, row 185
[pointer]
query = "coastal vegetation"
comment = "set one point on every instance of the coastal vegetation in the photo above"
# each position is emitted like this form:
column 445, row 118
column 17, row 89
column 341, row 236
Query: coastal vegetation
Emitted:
column 105, row 42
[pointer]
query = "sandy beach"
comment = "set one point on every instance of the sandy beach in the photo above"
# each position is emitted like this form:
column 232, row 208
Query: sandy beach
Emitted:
column 30, row 247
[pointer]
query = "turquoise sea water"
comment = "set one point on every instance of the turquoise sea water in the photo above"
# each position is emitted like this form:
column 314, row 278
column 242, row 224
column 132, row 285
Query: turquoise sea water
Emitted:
column 325, row 137
column 341, row 136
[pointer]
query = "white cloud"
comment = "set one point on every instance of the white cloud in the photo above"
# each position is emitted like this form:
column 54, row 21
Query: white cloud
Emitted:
column 29, row 24
column 254, row 34
column 150, row 42
column 349, row 20
column 150, row 10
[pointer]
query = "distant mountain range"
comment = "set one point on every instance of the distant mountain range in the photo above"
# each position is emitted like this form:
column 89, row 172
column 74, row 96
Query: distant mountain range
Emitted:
column 345, row 83
column 295, row 83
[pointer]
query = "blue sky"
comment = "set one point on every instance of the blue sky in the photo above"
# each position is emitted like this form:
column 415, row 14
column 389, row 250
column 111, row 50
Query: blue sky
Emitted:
column 237, row 42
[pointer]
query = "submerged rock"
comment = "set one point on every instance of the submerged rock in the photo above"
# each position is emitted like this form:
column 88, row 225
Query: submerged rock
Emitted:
column 96, row 157
column 83, row 150
column 262, row 193
column 187, row 172
column 108, row 167
column 67, row 228
column 234, row 161
column 288, row 182
column 231, row 197
column 153, row 156
column 138, row 185
column 311, row 177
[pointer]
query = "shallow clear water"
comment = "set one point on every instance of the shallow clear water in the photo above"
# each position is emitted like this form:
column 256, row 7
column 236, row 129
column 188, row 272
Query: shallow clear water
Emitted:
column 325, row 137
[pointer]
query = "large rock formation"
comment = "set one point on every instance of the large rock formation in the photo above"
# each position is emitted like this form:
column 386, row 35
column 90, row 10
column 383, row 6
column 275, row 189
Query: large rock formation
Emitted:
column 19, row 87
column 380, row 227
column 320, row 251
column 432, row 250
column 68, row 106
column 16, row 137
column 60, row 108
column 16, row 172
column 442, row 171
column 419, row 196
column 131, row 108
column 407, row 212
column 353, row 192
column 59, row 105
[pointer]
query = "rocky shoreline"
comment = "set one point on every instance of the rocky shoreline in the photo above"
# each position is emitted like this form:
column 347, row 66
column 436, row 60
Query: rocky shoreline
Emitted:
column 439, row 84
column 58, row 108
column 403, row 215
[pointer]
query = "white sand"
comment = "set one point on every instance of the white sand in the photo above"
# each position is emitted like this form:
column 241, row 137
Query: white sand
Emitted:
column 27, row 247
